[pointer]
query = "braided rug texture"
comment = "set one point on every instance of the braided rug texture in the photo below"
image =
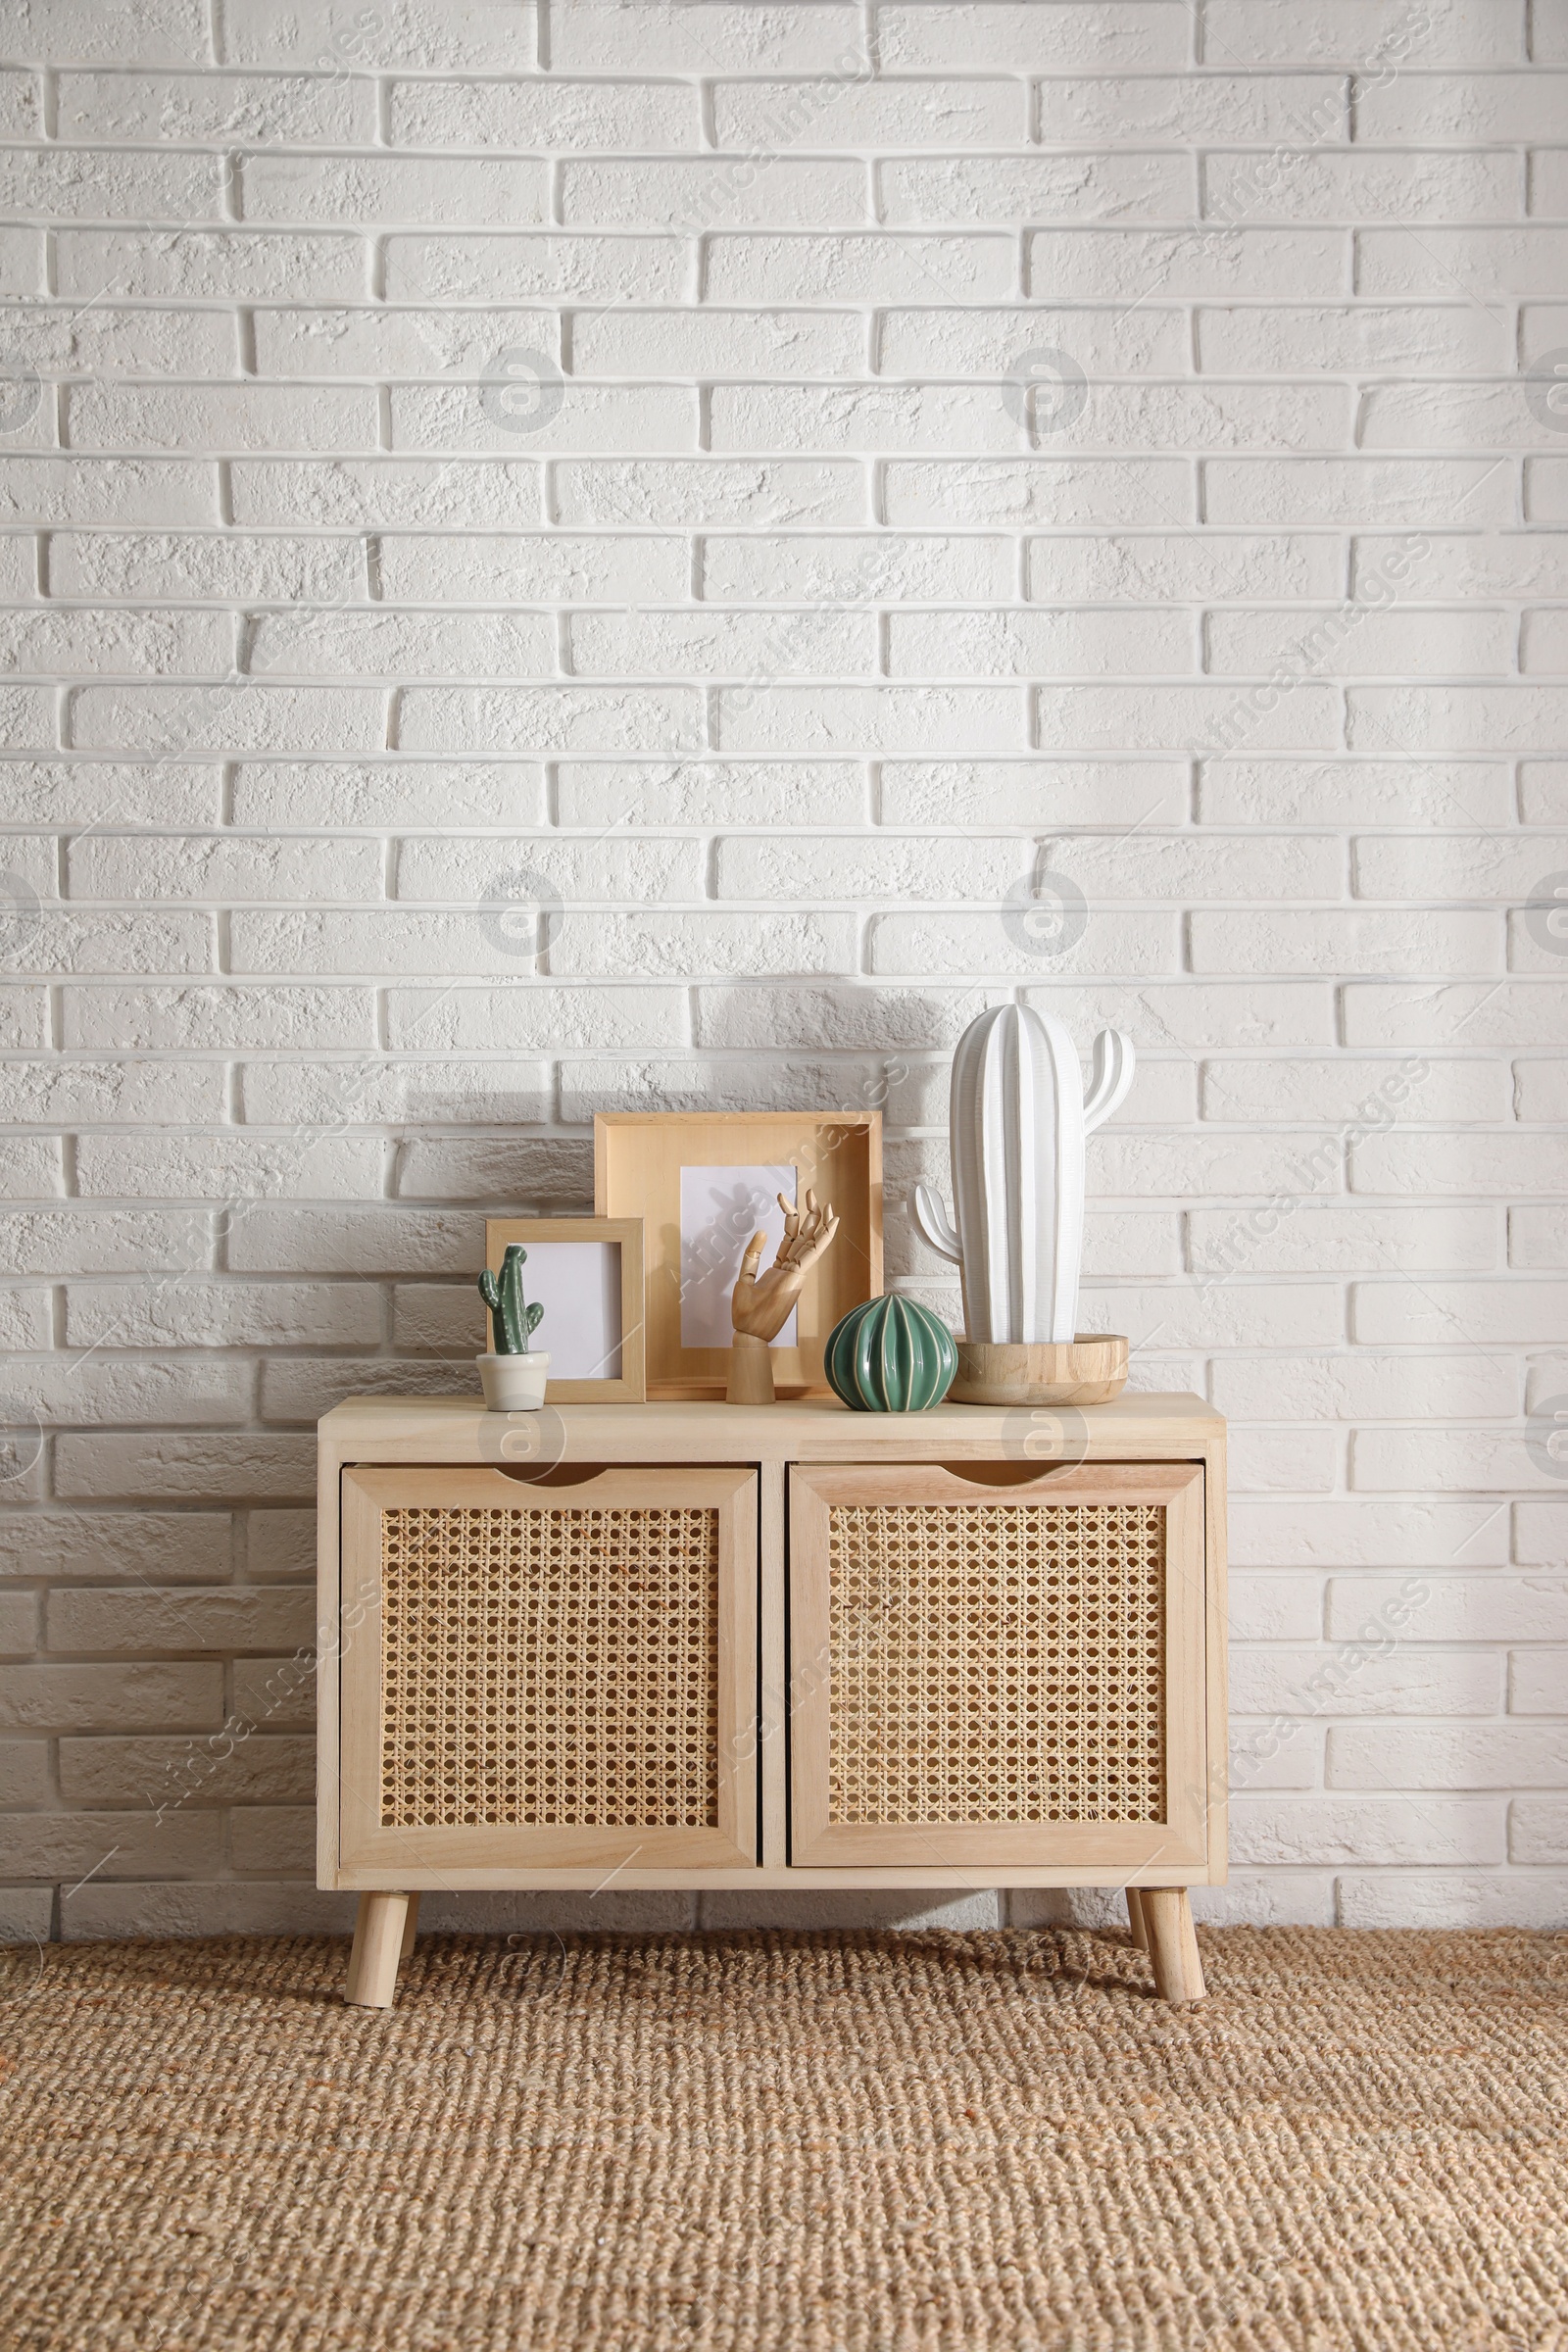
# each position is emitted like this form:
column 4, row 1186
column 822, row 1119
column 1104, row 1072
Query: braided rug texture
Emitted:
column 814, row 2141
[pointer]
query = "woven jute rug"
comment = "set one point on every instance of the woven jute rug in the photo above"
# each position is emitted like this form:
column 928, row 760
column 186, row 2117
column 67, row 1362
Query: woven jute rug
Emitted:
column 794, row 2140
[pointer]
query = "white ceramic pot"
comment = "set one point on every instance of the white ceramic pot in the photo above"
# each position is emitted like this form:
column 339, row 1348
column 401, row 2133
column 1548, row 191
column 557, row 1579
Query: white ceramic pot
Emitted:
column 514, row 1384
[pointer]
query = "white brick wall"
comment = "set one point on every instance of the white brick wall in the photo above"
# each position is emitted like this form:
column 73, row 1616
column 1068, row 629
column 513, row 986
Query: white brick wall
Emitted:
column 781, row 627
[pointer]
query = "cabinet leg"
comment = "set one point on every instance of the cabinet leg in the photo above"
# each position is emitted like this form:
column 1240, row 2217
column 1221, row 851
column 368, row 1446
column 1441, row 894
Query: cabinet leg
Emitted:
column 1135, row 1918
column 1172, row 1945
column 377, row 1949
column 411, row 1927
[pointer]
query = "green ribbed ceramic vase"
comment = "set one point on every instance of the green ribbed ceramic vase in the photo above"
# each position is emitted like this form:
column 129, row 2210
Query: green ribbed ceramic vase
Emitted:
column 890, row 1356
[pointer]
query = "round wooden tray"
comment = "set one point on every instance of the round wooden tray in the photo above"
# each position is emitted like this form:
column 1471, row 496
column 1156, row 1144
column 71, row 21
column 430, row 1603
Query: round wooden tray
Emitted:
column 1092, row 1370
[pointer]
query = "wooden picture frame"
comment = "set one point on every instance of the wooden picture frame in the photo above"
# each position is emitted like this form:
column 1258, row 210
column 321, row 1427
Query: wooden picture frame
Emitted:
column 624, row 1234
column 638, row 1162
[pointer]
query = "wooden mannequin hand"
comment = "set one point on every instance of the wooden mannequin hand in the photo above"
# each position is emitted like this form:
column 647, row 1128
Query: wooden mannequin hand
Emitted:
column 761, row 1304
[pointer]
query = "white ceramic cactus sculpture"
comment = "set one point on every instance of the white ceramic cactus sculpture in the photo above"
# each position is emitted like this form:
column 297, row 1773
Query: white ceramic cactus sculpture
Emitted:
column 1017, row 1118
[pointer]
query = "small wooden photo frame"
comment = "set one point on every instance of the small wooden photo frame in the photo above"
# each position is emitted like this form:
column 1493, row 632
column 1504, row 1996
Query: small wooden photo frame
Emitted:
column 702, row 1183
column 587, row 1272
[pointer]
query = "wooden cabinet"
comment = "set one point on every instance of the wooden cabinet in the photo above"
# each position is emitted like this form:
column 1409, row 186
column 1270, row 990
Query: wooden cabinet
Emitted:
column 693, row 1644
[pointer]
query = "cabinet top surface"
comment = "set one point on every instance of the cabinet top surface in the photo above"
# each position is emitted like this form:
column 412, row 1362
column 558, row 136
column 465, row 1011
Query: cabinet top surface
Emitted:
column 804, row 1429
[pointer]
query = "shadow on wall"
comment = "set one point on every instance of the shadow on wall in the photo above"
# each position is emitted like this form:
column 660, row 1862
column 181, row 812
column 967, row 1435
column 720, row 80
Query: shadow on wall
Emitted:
column 656, row 1911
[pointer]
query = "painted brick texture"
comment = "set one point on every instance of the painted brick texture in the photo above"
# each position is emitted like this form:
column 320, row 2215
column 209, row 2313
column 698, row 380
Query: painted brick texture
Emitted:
column 570, row 556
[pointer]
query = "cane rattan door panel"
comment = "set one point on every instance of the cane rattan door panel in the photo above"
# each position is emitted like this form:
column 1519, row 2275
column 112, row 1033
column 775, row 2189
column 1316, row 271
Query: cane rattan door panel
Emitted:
column 997, row 1674
column 548, row 1675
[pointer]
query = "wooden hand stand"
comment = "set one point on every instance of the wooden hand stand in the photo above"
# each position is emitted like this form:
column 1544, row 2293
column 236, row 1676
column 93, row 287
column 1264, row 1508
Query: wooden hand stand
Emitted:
column 751, row 1370
column 760, row 1304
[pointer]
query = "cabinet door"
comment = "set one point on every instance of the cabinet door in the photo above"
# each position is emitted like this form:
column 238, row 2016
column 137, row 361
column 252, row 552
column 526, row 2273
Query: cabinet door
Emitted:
column 997, row 1674
column 551, row 1674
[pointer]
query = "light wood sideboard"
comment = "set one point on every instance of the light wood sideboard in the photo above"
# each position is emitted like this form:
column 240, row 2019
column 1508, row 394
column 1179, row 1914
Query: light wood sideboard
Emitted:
column 712, row 1646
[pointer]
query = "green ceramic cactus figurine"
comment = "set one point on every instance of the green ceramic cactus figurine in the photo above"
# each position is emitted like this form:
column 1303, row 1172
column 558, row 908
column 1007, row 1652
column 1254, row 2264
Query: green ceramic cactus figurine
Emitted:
column 511, row 1319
